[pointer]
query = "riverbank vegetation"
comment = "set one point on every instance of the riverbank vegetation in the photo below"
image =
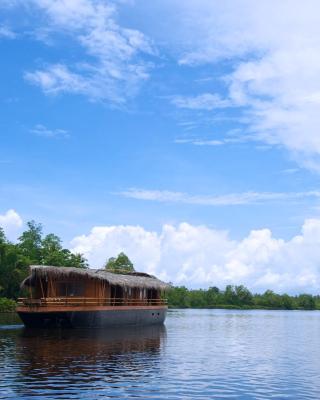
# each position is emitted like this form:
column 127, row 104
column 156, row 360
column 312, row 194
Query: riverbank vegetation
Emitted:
column 35, row 248
column 239, row 297
column 7, row 305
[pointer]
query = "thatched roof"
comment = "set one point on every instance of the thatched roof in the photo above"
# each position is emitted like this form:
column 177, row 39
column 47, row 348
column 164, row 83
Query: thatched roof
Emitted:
column 130, row 280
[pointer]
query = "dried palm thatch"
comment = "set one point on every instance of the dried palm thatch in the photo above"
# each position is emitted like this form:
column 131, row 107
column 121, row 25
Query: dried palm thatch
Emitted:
column 129, row 280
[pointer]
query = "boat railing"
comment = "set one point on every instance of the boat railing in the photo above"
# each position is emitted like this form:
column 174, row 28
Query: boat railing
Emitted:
column 88, row 301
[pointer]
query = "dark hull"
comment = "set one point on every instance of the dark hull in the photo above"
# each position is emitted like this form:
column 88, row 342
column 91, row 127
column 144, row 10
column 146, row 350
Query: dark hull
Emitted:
column 93, row 318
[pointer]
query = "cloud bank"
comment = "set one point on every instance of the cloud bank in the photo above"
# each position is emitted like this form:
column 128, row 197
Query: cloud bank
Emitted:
column 199, row 256
column 11, row 223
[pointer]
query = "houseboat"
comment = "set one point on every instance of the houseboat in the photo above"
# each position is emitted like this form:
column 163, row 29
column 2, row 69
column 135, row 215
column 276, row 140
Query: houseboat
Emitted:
column 77, row 297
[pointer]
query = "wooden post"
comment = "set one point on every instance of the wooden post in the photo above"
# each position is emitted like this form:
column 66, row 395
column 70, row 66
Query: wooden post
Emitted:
column 41, row 287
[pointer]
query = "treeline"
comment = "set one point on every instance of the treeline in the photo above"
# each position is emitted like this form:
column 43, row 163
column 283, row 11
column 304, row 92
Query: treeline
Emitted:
column 239, row 297
column 34, row 248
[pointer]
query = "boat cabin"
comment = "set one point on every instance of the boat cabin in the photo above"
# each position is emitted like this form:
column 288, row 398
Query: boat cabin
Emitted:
column 48, row 285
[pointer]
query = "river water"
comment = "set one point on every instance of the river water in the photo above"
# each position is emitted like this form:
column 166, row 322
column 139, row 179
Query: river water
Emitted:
column 197, row 354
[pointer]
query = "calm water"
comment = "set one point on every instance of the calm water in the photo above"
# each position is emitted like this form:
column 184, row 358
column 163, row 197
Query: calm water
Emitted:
column 198, row 354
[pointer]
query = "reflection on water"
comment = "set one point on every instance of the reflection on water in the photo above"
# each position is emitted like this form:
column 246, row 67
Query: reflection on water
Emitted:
column 199, row 354
column 82, row 352
column 65, row 362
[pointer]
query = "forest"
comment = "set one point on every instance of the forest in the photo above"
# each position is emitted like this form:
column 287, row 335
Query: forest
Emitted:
column 239, row 297
column 35, row 248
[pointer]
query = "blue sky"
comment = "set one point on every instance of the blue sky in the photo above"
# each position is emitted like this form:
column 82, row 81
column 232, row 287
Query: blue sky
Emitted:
column 144, row 115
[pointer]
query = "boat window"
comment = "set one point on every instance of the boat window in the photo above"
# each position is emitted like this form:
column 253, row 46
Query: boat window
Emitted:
column 70, row 288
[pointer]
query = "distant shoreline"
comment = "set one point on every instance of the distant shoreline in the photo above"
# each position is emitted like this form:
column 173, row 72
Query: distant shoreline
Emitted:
column 239, row 298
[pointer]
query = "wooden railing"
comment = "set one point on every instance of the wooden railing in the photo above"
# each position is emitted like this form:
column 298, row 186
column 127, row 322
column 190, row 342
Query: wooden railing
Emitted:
column 88, row 301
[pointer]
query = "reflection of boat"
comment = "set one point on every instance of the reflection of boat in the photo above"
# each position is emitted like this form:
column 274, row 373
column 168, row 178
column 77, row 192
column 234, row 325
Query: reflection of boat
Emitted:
column 115, row 352
column 75, row 297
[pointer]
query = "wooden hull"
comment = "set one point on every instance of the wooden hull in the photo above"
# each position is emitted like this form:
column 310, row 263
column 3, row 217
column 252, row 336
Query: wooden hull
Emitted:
column 88, row 317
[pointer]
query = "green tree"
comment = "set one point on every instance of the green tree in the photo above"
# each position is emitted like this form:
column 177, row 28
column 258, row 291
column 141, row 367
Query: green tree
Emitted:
column 197, row 299
column 51, row 250
column 13, row 268
column 31, row 249
column 287, row 302
column 111, row 264
column 3, row 238
column 306, row 301
column 243, row 297
column 120, row 264
column 178, row 297
column 230, row 296
column 30, row 242
column 52, row 253
column 75, row 260
column 213, row 296
column 268, row 299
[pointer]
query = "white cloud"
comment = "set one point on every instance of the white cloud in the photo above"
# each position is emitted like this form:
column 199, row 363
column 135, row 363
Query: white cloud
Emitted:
column 290, row 171
column 197, row 256
column 41, row 130
column 11, row 222
column 58, row 78
column 271, row 51
column 205, row 101
column 236, row 139
column 110, row 68
column 6, row 32
column 201, row 142
column 218, row 200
